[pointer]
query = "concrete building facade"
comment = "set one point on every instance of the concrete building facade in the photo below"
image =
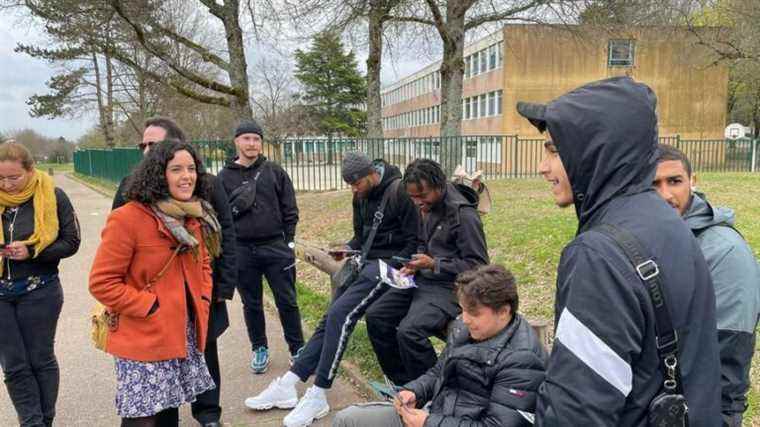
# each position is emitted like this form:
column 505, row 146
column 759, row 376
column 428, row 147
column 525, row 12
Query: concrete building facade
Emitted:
column 539, row 62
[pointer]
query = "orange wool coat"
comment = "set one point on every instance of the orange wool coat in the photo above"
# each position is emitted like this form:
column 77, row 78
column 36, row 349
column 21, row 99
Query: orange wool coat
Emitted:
column 135, row 245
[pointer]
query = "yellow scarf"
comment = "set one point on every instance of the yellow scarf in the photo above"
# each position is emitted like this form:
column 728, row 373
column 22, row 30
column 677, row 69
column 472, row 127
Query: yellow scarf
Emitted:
column 41, row 189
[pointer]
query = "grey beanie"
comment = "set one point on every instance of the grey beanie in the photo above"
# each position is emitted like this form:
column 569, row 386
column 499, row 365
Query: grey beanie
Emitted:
column 249, row 126
column 356, row 165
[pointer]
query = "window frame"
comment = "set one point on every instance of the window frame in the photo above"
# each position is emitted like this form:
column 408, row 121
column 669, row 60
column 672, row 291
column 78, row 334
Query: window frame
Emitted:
column 630, row 61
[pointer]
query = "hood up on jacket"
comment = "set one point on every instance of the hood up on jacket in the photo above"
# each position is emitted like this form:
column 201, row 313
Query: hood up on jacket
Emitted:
column 701, row 214
column 606, row 134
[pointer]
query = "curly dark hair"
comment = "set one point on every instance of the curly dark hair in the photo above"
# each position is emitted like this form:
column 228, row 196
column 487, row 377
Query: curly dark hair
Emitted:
column 148, row 185
column 488, row 285
column 425, row 170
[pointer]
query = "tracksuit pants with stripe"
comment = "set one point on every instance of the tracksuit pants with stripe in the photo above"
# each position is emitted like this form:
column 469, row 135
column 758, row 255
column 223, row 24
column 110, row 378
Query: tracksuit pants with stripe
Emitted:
column 324, row 350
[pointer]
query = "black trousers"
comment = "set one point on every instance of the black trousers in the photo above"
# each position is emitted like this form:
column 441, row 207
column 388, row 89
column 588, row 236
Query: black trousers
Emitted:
column 206, row 407
column 27, row 335
column 324, row 350
column 255, row 263
column 400, row 325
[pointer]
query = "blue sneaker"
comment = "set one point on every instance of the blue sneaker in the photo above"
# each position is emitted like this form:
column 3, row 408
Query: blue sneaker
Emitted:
column 294, row 356
column 260, row 361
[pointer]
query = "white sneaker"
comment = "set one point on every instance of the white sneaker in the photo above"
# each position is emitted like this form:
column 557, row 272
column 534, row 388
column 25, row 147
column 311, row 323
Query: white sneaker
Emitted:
column 312, row 406
column 275, row 395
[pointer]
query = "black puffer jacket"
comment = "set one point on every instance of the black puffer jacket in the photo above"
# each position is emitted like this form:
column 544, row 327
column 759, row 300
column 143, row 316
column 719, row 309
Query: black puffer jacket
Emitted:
column 46, row 262
column 397, row 234
column 604, row 369
column 486, row 383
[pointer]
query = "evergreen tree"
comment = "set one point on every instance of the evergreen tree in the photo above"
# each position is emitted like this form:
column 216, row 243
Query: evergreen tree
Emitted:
column 334, row 91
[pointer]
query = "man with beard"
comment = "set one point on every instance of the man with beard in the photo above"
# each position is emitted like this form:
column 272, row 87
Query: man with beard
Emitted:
column 735, row 275
column 385, row 225
column 605, row 367
column 264, row 209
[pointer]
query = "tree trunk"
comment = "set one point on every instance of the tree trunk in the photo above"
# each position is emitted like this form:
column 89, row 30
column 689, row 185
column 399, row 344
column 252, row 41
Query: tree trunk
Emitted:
column 238, row 72
column 452, row 72
column 99, row 97
column 109, row 129
column 374, row 102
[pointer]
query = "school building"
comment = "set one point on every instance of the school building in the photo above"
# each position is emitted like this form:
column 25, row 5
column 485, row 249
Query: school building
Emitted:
column 537, row 63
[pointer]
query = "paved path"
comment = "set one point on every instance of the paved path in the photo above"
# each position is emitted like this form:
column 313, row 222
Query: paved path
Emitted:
column 87, row 375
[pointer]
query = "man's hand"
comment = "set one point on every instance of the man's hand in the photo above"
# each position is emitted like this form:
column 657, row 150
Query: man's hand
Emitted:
column 420, row 262
column 406, row 398
column 413, row 417
column 338, row 255
column 16, row 251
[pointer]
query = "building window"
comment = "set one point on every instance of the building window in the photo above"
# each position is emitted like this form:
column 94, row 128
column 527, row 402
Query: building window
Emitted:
column 483, row 61
column 492, row 57
column 620, row 53
column 492, row 103
column 500, row 53
column 483, row 111
column 474, row 107
column 475, row 64
column 499, row 95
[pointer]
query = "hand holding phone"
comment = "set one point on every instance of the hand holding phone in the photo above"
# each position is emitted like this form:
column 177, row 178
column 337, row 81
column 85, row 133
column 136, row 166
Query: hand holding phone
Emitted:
column 401, row 259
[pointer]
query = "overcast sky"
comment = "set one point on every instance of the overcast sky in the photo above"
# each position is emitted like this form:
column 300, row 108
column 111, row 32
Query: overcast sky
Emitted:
column 22, row 76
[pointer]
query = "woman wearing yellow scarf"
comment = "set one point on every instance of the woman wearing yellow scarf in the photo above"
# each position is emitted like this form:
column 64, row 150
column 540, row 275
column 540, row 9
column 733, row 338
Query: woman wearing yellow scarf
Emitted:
column 39, row 227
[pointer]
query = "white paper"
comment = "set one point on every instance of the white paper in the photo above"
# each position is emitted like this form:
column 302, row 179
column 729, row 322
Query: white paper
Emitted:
column 393, row 277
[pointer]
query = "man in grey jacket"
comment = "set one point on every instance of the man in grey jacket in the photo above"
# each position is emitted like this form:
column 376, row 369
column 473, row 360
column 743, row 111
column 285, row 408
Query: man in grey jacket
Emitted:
column 734, row 270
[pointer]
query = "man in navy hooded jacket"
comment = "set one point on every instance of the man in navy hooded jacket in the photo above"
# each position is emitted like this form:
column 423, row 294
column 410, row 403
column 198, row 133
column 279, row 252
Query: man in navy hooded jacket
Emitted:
column 604, row 369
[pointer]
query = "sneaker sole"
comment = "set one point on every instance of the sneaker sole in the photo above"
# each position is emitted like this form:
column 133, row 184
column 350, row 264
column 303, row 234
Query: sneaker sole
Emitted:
column 316, row 417
column 259, row 371
column 283, row 404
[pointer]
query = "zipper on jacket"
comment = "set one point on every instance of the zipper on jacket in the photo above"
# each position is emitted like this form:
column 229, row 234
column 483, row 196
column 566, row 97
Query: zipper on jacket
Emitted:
column 10, row 238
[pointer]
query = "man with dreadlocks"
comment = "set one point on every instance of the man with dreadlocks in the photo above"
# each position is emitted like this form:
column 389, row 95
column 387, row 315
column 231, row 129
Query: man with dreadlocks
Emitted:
column 451, row 241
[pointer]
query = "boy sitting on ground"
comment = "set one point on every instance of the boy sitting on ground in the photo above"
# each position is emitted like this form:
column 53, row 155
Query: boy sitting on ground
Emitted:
column 489, row 371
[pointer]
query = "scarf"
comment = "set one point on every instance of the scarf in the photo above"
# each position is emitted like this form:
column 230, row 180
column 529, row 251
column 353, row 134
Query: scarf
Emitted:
column 172, row 213
column 41, row 189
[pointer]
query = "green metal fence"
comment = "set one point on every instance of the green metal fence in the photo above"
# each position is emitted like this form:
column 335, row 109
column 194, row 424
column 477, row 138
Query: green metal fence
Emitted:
column 314, row 164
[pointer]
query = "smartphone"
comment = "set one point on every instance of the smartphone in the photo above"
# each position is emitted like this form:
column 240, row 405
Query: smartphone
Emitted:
column 401, row 259
column 345, row 252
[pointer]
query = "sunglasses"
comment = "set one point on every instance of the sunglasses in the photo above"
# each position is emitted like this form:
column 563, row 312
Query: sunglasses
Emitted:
column 143, row 145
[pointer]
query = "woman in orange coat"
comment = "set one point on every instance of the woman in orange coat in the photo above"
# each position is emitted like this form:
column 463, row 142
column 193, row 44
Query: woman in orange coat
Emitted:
column 152, row 272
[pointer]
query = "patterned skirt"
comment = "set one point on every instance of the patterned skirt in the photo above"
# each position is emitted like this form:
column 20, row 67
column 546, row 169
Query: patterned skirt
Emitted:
column 144, row 389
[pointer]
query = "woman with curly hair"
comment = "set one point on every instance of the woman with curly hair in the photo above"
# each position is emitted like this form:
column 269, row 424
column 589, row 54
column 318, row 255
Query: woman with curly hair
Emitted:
column 152, row 271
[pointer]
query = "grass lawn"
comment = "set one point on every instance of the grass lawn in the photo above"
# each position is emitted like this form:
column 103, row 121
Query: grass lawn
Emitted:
column 525, row 232
column 57, row 167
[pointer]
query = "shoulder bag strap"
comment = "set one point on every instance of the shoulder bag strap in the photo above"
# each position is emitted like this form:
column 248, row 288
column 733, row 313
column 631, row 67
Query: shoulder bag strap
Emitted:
column 649, row 272
column 161, row 273
column 377, row 219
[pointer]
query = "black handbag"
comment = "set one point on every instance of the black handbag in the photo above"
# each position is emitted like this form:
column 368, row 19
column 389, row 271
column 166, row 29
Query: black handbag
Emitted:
column 349, row 272
column 669, row 408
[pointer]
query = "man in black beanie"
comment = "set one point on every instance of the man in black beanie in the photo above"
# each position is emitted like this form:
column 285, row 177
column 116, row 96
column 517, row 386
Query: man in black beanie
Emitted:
column 263, row 204
column 380, row 203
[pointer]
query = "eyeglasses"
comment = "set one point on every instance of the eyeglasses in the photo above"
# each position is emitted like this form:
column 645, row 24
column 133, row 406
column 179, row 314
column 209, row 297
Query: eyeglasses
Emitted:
column 11, row 179
column 143, row 145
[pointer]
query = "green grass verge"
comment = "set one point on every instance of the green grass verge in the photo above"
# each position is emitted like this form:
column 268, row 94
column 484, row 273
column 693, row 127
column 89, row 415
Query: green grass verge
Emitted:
column 525, row 232
column 102, row 185
column 56, row 167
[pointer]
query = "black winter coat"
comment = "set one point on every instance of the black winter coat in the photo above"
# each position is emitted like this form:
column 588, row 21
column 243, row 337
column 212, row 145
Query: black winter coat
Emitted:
column 452, row 234
column 486, row 383
column 274, row 214
column 604, row 369
column 224, row 268
column 46, row 262
column 397, row 234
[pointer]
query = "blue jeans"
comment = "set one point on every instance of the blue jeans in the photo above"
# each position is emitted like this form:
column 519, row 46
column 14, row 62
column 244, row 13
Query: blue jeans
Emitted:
column 27, row 355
